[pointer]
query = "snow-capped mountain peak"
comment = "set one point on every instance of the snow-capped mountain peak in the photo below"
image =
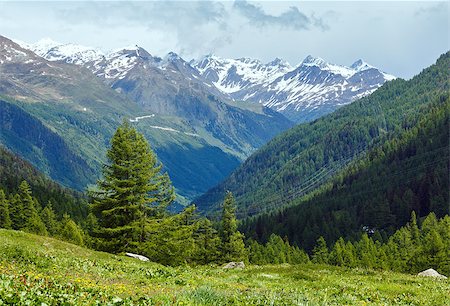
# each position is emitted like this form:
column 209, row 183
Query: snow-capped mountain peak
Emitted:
column 42, row 46
column 360, row 65
column 278, row 62
column 234, row 75
column 314, row 61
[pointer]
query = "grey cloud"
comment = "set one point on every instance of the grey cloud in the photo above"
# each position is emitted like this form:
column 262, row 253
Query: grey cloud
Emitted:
column 291, row 18
column 197, row 25
column 430, row 11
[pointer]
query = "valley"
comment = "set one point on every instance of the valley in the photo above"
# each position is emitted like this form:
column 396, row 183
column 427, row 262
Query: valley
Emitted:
column 224, row 153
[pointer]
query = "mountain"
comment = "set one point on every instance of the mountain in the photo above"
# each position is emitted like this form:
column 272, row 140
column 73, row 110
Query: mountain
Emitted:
column 303, row 93
column 298, row 161
column 377, row 194
column 81, row 96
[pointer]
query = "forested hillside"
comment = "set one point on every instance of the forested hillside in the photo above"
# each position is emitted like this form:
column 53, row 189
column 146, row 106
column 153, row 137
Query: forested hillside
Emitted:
column 376, row 194
column 14, row 170
column 308, row 155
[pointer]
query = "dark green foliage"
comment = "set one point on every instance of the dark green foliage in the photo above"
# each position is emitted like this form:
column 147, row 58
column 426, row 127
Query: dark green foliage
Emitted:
column 170, row 240
column 70, row 231
column 232, row 241
column 14, row 170
column 126, row 192
column 5, row 220
column 410, row 249
column 48, row 216
column 275, row 251
column 320, row 253
column 406, row 173
column 207, row 243
column 16, row 211
column 308, row 155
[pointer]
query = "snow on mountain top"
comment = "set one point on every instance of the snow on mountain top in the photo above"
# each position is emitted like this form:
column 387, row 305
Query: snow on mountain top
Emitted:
column 345, row 71
column 42, row 46
column 279, row 62
column 313, row 61
column 233, row 75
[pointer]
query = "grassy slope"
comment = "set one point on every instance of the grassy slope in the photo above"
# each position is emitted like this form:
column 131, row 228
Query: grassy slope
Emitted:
column 39, row 269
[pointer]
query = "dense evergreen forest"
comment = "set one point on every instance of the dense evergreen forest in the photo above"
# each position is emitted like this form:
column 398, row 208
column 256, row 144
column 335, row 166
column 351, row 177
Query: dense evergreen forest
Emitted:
column 377, row 194
column 308, row 155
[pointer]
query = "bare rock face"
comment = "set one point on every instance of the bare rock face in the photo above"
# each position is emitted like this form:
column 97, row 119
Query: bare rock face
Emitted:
column 140, row 257
column 432, row 273
column 234, row 265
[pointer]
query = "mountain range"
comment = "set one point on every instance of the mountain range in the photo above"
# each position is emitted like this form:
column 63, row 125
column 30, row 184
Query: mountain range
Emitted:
column 301, row 93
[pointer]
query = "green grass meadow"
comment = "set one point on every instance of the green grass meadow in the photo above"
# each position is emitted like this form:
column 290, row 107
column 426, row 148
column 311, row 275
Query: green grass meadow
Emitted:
column 37, row 270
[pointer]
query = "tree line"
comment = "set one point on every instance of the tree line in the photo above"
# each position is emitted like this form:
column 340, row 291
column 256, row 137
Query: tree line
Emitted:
column 412, row 248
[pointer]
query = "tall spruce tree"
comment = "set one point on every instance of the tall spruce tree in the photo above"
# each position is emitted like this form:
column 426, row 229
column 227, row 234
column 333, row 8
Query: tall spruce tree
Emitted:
column 127, row 190
column 232, row 246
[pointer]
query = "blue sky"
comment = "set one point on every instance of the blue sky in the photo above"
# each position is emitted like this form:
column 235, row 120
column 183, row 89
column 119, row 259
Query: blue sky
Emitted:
column 400, row 37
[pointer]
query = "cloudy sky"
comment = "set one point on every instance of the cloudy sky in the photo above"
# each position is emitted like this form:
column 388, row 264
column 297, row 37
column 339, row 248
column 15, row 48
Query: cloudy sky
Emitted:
column 400, row 37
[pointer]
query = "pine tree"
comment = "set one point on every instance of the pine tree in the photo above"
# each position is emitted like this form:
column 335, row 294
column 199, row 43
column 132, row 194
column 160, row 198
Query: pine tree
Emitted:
column 35, row 225
column 170, row 240
column 5, row 220
column 28, row 218
column 49, row 218
column 207, row 242
column 16, row 212
column 414, row 228
column 320, row 252
column 125, row 194
column 28, row 204
column 232, row 244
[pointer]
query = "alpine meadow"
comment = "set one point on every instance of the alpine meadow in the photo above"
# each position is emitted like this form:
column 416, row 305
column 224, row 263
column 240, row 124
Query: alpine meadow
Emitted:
column 202, row 153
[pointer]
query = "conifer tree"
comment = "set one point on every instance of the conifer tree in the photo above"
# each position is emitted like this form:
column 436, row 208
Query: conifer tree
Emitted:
column 28, row 218
column 5, row 220
column 27, row 202
column 49, row 218
column 207, row 242
column 320, row 252
column 164, row 195
column 126, row 191
column 16, row 212
column 414, row 228
column 232, row 244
